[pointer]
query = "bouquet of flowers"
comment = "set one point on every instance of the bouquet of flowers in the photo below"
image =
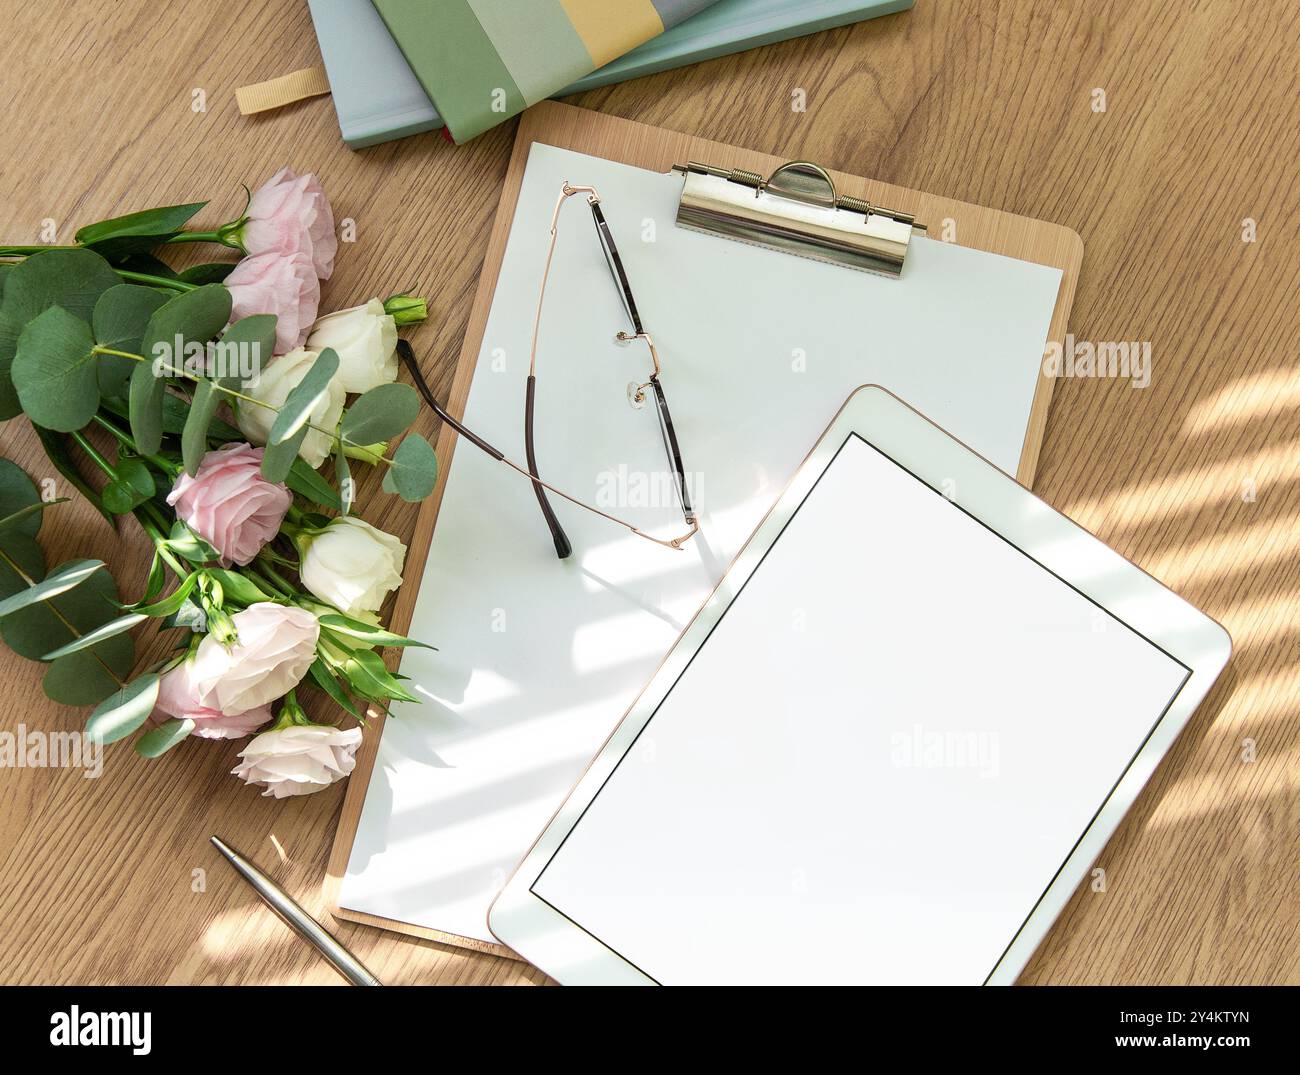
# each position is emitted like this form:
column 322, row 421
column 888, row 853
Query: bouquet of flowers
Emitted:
column 210, row 399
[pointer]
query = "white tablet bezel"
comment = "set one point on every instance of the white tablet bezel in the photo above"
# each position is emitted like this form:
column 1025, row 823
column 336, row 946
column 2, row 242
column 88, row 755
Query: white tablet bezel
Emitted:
column 546, row 938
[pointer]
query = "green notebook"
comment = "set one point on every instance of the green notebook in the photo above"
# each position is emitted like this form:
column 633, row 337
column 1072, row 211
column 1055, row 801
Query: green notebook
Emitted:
column 483, row 61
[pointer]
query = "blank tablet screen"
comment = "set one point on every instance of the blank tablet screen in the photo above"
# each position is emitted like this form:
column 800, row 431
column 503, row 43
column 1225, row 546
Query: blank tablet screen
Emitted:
column 874, row 765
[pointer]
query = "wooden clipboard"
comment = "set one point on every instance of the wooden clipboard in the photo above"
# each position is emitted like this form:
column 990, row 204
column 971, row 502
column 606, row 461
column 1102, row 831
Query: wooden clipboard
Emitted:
column 640, row 145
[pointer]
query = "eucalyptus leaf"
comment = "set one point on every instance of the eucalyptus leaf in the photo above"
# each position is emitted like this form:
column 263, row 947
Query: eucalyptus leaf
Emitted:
column 295, row 412
column 63, row 579
column 17, row 493
column 56, row 449
column 123, row 711
column 253, row 335
column 36, row 629
column 118, row 322
column 145, row 394
column 137, row 231
column 90, row 676
column 192, row 317
column 22, row 561
column 278, row 459
column 194, row 437
column 381, row 413
column 161, row 739
column 135, row 473
column 55, row 371
column 413, row 472
column 32, row 511
column 72, row 279
column 119, row 498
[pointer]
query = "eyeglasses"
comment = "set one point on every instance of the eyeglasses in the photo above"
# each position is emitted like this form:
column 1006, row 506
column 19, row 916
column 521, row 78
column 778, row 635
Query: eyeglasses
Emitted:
column 638, row 393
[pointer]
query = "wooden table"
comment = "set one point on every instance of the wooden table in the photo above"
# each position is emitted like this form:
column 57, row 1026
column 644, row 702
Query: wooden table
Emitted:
column 1196, row 478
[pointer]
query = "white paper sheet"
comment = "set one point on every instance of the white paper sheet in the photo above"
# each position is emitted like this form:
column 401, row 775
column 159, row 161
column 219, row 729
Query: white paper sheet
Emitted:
column 537, row 659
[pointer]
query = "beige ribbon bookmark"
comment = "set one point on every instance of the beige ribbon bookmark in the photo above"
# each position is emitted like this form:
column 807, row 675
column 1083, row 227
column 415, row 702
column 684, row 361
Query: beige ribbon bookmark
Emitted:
column 278, row 92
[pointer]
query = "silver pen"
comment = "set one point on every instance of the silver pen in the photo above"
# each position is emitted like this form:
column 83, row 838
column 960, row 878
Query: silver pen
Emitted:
column 292, row 914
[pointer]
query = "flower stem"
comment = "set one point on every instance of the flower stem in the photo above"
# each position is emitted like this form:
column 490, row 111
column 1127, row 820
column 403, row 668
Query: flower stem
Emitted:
column 332, row 434
column 155, row 281
column 165, row 465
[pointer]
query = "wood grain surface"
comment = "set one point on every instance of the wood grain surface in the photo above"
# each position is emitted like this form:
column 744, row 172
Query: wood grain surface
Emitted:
column 1196, row 477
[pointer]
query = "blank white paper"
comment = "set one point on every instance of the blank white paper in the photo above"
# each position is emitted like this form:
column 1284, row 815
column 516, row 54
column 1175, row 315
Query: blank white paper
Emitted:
column 875, row 764
column 537, row 660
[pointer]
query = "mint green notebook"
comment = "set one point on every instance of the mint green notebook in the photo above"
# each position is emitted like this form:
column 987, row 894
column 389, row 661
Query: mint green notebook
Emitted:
column 379, row 98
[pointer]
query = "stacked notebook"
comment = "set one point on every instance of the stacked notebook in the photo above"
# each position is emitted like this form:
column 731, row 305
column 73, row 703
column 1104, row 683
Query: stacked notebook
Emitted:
column 482, row 61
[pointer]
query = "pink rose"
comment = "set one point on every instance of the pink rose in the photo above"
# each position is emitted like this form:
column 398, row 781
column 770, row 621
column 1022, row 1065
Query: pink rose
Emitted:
column 284, row 285
column 229, row 504
column 290, row 214
column 177, row 697
column 277, row 644
column 299, row 759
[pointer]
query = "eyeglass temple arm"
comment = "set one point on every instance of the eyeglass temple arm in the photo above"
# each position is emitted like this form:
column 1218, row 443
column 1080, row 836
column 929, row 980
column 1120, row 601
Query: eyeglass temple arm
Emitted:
column 563, row 548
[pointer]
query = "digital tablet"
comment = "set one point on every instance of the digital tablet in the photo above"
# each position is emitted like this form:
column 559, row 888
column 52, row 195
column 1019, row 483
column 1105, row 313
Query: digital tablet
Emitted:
column 886, row 750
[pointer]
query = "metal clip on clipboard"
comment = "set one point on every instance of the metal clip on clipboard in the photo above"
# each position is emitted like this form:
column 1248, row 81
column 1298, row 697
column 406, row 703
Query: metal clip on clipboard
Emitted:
column 795, row 210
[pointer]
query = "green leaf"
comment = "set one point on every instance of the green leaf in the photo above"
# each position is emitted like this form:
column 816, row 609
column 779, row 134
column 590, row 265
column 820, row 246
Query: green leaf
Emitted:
column 73, row 279
column 413, row 471
column 367, row 632
column 32, row 511
column 174, row 412
column 123, row 711
column 185, row 542
column 303, row 398
column 191, row 317
column 278, row 459
column 190, row 616
column 119, row 498
column 18, row 493
column 118, row 322
column 136, row 474
column 253, row 339
column 370, row 678
column 90, row 676
column 137, row 231
column 194, row 438
column 309, row 484
column 145, row 402
column 55, row 372
column 343, row 475
column 92, row 638
column 144, row 262
column 157, row 578
column 28, row 558
column 323, row 678
column 56, row 449
column 381, row 413
column 62, row 580
column 39, row 628
column 211, row 273
column 172, row 602
column 238, row 588
column 161, row 739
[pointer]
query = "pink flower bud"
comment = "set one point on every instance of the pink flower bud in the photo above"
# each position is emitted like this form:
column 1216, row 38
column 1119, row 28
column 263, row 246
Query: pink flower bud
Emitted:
column 229, row 504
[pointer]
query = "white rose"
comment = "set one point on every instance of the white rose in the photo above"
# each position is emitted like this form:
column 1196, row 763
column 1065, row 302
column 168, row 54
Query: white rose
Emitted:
column 299, row 759
column 277, row 644
column 272, row 386
column 351, row 565
column 365, row 338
